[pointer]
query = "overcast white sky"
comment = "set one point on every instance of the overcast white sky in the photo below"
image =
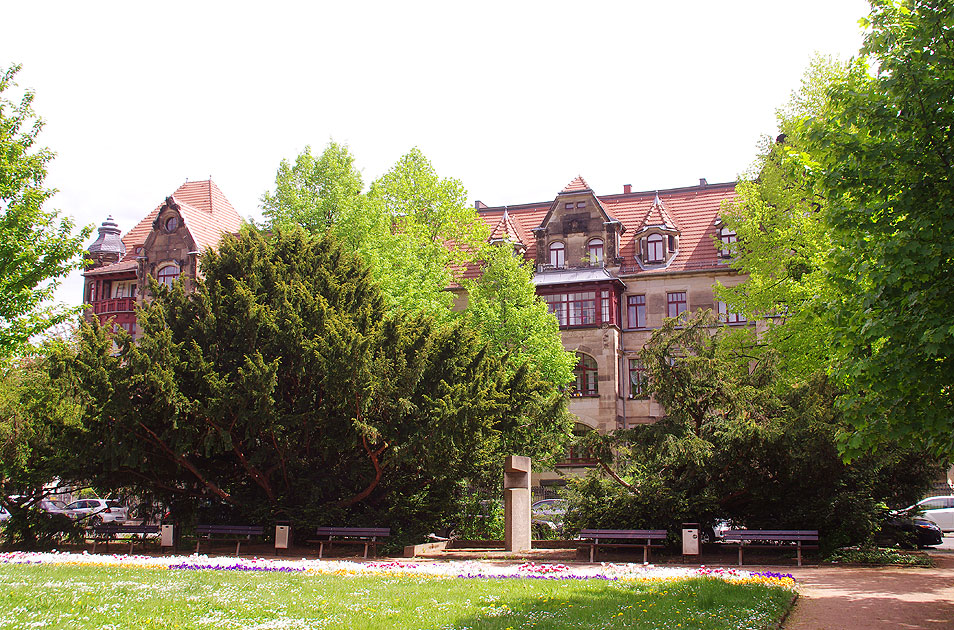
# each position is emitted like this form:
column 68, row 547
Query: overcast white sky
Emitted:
column 513, row 98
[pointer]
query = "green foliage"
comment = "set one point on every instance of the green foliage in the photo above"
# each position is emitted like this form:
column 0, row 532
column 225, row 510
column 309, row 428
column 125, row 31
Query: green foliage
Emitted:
column 879, row 556
column 284, row 387
column 36, row 249
column 732, row 447
column 503, row 306
column 314, row 192
column 39, row 427
column 847, row 232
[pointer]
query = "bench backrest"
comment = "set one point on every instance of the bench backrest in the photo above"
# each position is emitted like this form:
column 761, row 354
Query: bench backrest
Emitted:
column 648, row 534
column 363, row 532
column 115, row 528
column 794, row 535
column 239, row 530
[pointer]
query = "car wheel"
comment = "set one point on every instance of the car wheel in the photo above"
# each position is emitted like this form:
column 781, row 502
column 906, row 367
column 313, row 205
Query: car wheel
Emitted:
column 96, row 520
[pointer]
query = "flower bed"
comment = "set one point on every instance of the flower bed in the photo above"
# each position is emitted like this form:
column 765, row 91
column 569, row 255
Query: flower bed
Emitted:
column 398, row 568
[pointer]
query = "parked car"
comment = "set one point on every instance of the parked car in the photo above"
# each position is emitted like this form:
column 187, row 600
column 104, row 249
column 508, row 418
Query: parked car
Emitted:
column 51, row 506
column 939, row 510
column 4, row 515
column 95, row 511
column 548, row 512
column 906, row 531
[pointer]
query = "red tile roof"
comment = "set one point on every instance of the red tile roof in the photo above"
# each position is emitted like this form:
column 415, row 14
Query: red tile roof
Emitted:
column 506, row 230
column 692, row 210
column 205, row 211
column 577, row 185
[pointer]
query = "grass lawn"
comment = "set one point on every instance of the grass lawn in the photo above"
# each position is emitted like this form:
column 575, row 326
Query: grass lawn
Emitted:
column 78, row 597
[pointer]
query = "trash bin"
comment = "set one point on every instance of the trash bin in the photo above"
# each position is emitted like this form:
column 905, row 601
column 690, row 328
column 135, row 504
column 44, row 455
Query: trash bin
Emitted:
column 690, row 539
column 167, row 535
column 282, row 535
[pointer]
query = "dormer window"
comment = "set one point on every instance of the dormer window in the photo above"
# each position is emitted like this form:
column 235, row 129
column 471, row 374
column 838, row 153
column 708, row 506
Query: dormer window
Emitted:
column 171, row 224
column 654, row 249
column 594, row 252
column 557, row 255
column 729, row 239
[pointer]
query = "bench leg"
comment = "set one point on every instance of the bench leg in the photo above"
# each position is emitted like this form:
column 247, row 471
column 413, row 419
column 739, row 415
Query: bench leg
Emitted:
column 321, row 548
column 645, row 554
column 365, row 551
column 799, row 553
column 740, row 555
column 197, row 543
column 238, row 544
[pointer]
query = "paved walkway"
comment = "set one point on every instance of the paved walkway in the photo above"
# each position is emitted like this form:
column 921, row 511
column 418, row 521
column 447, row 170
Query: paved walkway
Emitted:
column 840, row 598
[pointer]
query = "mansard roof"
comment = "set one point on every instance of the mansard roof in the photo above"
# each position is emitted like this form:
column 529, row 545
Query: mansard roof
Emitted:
column 692, row 211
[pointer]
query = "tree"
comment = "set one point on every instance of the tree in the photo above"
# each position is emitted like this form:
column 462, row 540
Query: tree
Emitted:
column 314, row 192
column 36, row 249
column 885, row 155
column 732, row 447
column 847, row 232
column 413, row 228
column 39, row 427
column 503, row 306
column 286, row 386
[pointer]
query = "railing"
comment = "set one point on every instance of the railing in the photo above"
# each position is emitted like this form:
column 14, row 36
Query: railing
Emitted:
column 114, row 305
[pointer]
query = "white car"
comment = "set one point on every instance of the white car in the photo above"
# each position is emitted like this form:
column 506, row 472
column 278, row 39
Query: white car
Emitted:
column 939, row 510
column 4, row 515
column 95, row 511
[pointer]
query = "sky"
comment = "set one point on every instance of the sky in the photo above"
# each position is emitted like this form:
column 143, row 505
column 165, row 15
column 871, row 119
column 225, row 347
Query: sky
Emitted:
column 515, row 98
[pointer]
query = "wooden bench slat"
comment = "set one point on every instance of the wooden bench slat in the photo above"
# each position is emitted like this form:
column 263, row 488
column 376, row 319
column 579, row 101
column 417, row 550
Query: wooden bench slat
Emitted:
column 598, row 535
column 213, row 531
column 773, row 538
column 367, row 536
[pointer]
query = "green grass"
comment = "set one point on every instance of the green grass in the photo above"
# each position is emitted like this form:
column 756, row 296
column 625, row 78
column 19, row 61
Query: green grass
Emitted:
column 78, row 597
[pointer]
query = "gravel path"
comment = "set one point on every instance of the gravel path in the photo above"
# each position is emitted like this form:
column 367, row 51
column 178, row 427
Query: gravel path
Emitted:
column 837, row 598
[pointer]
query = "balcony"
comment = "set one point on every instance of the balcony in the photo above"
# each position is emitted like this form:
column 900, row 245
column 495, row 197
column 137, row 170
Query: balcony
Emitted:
column 114, row 305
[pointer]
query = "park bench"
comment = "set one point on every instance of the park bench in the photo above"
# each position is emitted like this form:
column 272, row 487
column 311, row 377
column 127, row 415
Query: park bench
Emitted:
column 238, row 533
column 773, row 538
column 594, row 538
column 367, row 536
column 104, row 532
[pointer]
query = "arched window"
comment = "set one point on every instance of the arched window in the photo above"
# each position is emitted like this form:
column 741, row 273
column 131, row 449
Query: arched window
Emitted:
column 167, row 275
column 557, row 255
column 577, row 456
column 654, row 251
column 594, row 251
column 587, row 376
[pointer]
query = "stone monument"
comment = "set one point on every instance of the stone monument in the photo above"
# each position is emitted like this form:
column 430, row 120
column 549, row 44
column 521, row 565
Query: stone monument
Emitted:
column 517, row 503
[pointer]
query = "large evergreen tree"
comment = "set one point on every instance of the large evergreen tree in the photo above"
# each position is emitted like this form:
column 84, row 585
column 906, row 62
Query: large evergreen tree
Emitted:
column 284, row 386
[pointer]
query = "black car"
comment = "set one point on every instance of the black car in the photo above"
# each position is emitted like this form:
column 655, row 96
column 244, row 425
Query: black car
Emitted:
column 909, row 531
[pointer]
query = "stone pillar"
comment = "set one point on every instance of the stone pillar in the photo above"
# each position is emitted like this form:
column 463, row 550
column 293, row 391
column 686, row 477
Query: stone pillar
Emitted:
column 517, row 503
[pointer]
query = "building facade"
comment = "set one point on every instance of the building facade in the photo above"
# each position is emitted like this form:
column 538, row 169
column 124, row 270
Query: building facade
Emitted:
column 612, row 268
column 167, row 244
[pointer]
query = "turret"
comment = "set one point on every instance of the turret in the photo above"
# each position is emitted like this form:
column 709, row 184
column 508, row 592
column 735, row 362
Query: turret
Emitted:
column 108, row 248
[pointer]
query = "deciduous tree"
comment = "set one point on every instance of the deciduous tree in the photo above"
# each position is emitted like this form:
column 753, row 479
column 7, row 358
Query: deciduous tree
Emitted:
column 37, row 247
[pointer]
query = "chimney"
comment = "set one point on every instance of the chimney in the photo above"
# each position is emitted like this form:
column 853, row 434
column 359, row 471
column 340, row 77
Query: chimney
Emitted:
column 479, row 205
column 627, row 188
column 703, row 182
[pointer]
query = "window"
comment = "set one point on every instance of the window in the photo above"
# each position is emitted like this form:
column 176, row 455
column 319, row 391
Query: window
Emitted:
column 167, row 275
column 574, row 309
column 580, row 204
column 91, row 292
column 677, row 304
column 637, row 379
column 729, row 318
column 654, row 251
column 672, row 243
column 729, row 239
column 568, row 206
column 636, row 311
column 575, row 455
column 557, row 255
column 594, row 252
column 604, row 306
column 587, row 376
column 171, row 224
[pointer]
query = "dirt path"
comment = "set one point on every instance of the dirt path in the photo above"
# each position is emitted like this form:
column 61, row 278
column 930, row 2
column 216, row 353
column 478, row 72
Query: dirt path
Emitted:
column 838, row 598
